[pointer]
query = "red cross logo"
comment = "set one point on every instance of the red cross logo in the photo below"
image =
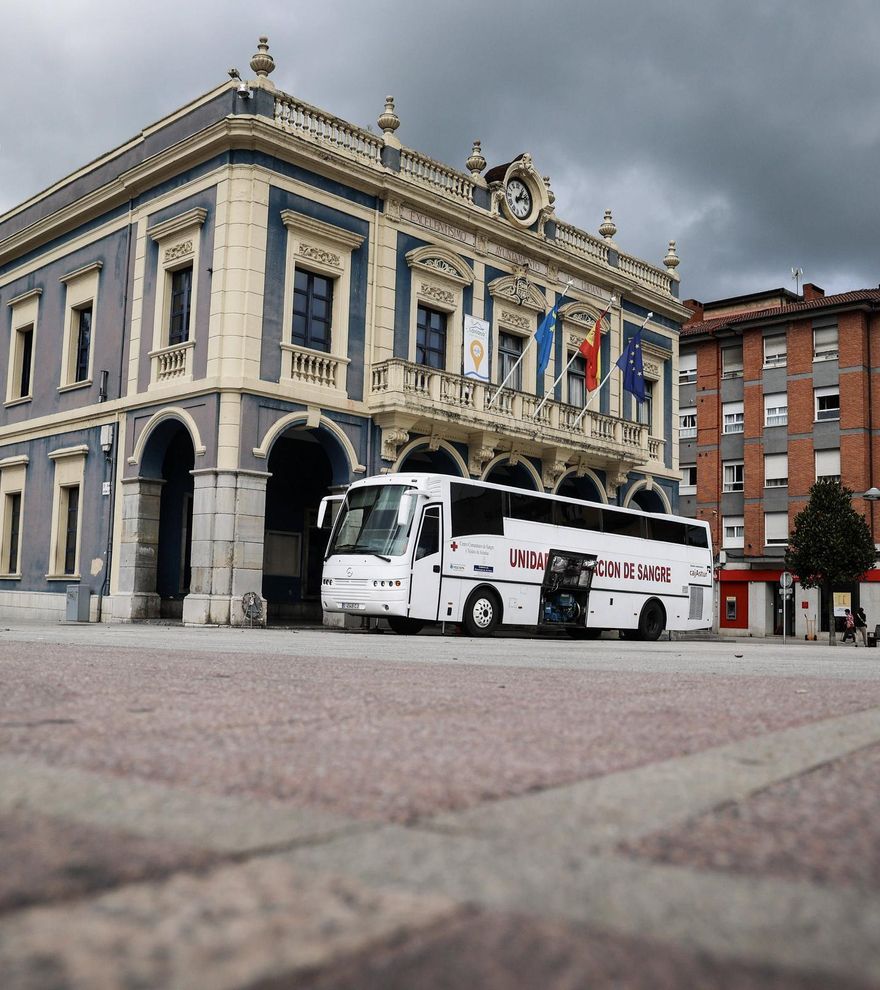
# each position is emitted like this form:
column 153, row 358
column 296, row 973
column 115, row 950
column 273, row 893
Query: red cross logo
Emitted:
column 453, row 545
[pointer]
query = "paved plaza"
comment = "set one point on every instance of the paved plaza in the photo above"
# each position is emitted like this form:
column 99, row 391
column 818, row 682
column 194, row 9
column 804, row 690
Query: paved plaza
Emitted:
column 256, row 809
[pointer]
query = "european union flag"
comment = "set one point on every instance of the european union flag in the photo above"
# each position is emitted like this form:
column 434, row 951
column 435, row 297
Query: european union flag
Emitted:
column 630, row 363
column 544, row 339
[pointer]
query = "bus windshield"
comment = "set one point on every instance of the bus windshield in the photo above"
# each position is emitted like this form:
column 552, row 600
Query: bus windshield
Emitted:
column 368, row 523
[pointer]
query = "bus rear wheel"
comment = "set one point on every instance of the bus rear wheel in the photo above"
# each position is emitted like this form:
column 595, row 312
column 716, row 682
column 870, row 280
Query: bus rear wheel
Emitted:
column 482, row 612
column 652, row 621
column 403, row 626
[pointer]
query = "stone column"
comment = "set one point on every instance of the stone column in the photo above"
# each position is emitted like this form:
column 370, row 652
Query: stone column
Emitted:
column 138, row 551
column 229, row 509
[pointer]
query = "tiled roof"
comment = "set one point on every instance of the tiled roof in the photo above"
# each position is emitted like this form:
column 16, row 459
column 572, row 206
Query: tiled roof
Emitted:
column 805, row 305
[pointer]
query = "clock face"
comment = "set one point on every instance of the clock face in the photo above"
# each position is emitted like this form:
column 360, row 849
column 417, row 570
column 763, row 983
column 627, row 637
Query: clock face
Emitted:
column 519, row 199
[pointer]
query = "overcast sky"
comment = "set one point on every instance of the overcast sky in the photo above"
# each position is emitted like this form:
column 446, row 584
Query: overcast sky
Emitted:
column 747, row 130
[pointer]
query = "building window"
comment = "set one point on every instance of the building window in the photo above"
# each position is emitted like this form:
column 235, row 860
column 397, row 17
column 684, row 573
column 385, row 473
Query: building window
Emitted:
column 81, row 289
column 12, row 527
column 312, row 310
column 732, row 362
column 775, row 529
column 687, row 424
column 688, row 484
column 734, row 532
column 775, row 351
column 430, row 337
column 22, row 362
column 733, row 476
column 577, row 377
column 687, row 368
column 19, row 374
column 776, row 409
column 645, row 409
column 775, row 470
column 70, row 524
column 733, row 417
column 181, row 303
column 825, row 342
column 509, row 352
column 827, row 403
column 83, row 343
column 828, row 465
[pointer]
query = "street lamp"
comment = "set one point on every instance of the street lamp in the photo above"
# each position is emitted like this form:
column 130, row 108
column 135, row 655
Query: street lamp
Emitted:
column 872, row 495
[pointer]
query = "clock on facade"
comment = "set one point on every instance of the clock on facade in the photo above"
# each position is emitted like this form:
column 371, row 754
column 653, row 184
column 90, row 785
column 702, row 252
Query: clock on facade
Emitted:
column 518, row 198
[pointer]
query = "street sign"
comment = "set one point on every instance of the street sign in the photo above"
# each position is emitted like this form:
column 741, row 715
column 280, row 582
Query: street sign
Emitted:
column 785, row 580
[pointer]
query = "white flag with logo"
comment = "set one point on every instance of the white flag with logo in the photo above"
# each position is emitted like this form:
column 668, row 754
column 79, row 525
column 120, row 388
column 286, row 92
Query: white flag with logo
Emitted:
column 476, row 348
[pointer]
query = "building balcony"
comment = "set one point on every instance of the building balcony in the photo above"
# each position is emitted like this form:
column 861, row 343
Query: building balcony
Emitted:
column 315, row 369
column 413, row 397
column 172, row 364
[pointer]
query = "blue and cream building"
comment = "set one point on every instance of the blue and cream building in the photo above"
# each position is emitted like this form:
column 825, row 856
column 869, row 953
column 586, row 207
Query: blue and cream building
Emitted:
column 253, row 303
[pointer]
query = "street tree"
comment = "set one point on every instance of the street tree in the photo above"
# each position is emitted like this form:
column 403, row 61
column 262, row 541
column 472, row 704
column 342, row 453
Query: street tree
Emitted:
column 830, row 543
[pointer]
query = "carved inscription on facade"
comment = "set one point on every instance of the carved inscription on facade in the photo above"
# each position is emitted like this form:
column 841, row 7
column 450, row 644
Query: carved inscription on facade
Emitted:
column 439, row 226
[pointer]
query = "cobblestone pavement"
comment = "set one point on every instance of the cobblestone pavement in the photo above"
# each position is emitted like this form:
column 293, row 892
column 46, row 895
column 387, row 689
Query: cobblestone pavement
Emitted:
column 262, row 809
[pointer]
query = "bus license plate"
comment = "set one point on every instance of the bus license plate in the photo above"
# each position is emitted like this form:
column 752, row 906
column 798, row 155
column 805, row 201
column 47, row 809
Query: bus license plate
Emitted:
column 351, row 605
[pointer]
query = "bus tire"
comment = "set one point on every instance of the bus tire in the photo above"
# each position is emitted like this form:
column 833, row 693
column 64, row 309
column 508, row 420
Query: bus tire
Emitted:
column 652, row 621
column 404, row 626
column 482, row 612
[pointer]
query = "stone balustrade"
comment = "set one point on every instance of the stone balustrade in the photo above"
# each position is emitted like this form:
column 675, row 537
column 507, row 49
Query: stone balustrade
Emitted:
column 173, row 363
column 312, row 124
column 313, row 367
column 425, row 171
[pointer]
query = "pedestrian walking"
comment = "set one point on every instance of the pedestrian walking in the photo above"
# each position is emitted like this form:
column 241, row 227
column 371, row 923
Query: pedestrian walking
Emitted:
column 849, row 627
column 861, row 621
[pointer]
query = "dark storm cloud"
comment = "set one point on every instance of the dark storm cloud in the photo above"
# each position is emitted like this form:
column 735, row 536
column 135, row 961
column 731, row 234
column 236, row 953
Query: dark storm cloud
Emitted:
column 748, row 132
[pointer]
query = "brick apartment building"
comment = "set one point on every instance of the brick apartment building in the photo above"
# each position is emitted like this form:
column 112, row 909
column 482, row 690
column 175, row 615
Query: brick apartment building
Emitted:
column 777, row 390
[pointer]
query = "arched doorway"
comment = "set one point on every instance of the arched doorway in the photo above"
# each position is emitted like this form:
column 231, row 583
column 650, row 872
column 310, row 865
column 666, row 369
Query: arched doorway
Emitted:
column 301, row 473
column 423, row 459
column 584, row 487
column 648, row 501
column 513, row 475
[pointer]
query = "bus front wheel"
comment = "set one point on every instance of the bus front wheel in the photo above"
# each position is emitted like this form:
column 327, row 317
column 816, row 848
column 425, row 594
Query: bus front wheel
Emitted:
column 652, row 621
column 404, row 626
column 482, row 612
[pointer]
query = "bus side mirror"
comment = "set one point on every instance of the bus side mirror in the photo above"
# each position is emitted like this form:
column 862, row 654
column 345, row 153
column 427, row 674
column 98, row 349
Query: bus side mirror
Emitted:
column 322, row 512
column 406, row 507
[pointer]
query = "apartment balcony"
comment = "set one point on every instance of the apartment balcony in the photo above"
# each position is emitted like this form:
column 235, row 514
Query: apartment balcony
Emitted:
column 172, row 364
column 412, row 397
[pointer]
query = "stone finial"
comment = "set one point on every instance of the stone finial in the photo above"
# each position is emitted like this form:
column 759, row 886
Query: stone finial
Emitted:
column 262, row 62
column 671, row 260
column 550, row 194
column 388, row 119
column 608, row 228
column 476, row 162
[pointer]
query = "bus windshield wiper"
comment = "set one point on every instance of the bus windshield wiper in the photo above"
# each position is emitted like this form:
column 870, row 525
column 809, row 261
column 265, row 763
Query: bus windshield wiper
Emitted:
column 354, row 548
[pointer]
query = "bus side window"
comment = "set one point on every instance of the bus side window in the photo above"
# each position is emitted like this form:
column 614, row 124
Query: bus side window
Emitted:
column 477, row 510
column 588, row 516
column 530, row 508
column 622, row 523
column 429, row 537
column 696, row 536
column 664, row 529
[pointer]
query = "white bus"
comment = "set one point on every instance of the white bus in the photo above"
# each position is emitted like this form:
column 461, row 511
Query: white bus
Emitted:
column 418, row 548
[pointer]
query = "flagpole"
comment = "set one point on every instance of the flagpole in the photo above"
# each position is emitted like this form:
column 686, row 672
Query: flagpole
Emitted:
column 518, row 362
column 604, row 380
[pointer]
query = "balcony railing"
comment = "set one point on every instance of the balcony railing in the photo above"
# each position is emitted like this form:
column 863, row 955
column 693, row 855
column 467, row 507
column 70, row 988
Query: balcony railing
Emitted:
column 313, row 367
column 430, row 393
column 173, row 363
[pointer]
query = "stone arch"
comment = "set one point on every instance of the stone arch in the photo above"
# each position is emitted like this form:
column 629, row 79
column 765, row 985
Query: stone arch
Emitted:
column 435, row 444
column 590, row 476
column 163, row 422
column 343, row 467
column 650, row 493
column 521, row 462
column 441, row 261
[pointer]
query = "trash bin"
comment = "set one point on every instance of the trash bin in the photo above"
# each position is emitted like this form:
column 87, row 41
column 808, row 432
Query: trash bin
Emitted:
column 77, row 603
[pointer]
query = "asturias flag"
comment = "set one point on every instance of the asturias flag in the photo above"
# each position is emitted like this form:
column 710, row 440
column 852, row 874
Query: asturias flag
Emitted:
column 589, row 350
column 544, row 339
column 630, row 363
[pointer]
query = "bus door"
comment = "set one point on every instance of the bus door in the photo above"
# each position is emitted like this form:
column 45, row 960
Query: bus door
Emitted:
column 424, row 593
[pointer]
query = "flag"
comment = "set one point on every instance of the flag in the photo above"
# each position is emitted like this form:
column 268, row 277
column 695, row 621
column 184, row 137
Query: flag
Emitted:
column 589, row 350
column 630, row 363
column 544, row 339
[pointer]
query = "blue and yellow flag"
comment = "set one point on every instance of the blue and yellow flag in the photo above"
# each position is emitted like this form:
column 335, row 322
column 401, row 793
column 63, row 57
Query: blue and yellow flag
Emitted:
column 544, row 339
column 630, row 363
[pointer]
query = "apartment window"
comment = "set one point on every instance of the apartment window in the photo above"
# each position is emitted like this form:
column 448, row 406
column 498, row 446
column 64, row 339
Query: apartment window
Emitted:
column 688, row 484
column 733, row 476
column 732, row 413
column 181, row 304
column 827, row 465
column 775, row 529
column 509, row 353
column 645, row 409
column 312, row 310
column 732, row 362
column 825, row 342
column 776, row 409
column 687, row 368
column 687, row 424
column 734, row 532
column 827, row 403
column 430, row 337
column 775, row 470
column 775, row 351
column 577, row 389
